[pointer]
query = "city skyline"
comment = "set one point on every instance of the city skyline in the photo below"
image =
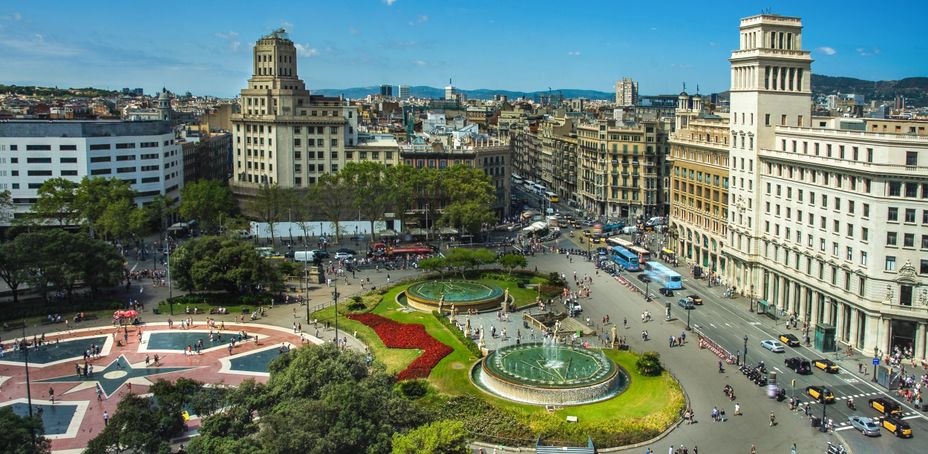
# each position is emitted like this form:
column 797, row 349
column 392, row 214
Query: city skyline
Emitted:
column 205, row 49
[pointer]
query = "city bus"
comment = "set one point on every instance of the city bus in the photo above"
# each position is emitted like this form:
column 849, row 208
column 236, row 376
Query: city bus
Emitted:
column 661, row 274
column 643, row 254
column 517, row 179
column 625, row 258
column 552, row 197
column 616, row 241
column 539, row 189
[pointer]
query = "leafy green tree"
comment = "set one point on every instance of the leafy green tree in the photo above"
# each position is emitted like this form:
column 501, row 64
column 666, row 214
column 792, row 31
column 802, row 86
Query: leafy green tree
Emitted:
column 513, row 261
column 6, row 206
column 105, row 199
column 16, row 434
column 468, row 216
column 332, row 199
column 56, row 201
column 434, row 264
column 14, row 259
column 207, row 201
column 213, row 263
column 440, row 437
column 371, row 189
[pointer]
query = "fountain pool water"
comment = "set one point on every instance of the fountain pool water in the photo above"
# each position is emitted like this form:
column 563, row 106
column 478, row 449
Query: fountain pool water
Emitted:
column 461, row 295
column 548, row 373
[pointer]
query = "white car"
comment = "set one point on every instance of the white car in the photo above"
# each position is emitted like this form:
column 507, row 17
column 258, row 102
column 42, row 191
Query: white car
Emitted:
column 343, row 256
column 772, row 345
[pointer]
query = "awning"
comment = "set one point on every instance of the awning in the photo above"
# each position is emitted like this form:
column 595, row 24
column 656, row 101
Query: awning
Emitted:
column 388, row 232
column 418, row 232
column 448, row 231
column 179, row 227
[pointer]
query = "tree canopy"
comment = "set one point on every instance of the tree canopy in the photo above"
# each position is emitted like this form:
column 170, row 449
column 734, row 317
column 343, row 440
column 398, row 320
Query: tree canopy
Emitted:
column 16, row 433
column 213, row 263
column 206, row 201
column 440, row 437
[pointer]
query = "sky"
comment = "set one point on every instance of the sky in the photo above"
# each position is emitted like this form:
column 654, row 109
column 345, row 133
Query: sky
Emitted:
column 205, row 46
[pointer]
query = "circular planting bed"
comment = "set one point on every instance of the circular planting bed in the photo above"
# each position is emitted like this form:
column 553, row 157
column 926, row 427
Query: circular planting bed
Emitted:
column 461, row 295
column 549, row 374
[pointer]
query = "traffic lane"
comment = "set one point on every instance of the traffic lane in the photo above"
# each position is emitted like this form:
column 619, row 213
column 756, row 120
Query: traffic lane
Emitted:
column 844, row 377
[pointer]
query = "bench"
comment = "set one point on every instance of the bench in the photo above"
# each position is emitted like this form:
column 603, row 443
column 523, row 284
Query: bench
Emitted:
column 13, row 325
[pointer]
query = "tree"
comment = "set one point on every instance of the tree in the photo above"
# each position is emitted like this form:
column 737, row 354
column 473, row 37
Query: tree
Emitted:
column 213, row 263
column 370, row 188
column 440, row 437
column 433, row 264
column 470, row 196
column 14, row 258
column 207, row 201
column 332, row 198
column 6, row 206
column 56, row 200
column 270, row 205
column 16, row 433
column 513, row 261
column 469, row 216
column 105, row 199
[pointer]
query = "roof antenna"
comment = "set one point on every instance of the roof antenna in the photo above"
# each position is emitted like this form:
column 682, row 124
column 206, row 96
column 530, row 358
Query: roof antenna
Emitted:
column 684, row 87
column 697, row 89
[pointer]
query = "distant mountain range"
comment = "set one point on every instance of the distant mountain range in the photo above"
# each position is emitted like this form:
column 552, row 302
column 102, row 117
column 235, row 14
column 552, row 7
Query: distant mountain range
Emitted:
column 915, row 89
column 423, row 91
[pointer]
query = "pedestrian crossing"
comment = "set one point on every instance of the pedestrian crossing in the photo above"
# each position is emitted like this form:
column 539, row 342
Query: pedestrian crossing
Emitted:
column 861, row 399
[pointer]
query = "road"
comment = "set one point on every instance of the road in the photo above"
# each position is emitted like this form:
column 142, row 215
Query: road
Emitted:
column 728, row 321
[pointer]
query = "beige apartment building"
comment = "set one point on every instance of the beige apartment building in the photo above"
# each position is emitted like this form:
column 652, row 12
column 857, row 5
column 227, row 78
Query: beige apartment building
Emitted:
column 619, row 167
column 699, row 185
column 283, row 134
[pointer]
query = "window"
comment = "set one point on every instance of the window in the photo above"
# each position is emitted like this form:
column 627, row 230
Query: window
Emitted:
column 39, row 173
column 866, row 210
column 863, row 258
column 908, row 240
column 38, row 147
column 850, row 253
column 890, row 263
column 68, row 160
column 891, row 238
column 910, row 215
column 850, row 206
column 864, row 234
column 924, row 241
column 67, row 147
column 892, row 214
column 38, row 160
column 99, row 146
column 895, row 188
column 911, row 158
column 923, row 269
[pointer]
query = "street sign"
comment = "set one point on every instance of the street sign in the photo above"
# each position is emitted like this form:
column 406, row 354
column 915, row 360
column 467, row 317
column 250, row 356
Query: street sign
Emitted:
column 876, row 361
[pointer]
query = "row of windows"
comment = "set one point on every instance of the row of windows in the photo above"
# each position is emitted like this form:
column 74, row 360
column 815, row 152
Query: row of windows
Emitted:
column 92, row 147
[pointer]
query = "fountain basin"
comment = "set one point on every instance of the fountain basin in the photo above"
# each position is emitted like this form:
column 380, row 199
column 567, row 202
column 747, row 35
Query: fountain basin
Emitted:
column 543, row 374
column 463, row 295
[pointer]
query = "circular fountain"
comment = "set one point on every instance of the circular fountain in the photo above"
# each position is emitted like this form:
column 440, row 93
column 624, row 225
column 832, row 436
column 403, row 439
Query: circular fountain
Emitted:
column 461, row 295
column 549, row 374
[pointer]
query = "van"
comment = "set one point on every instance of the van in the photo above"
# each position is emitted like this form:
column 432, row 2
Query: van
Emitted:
column 630, row 230
column 304, row 256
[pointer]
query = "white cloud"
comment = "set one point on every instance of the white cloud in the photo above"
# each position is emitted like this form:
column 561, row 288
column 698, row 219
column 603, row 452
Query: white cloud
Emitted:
column 304, row 50
column 389, row 2
column 420, row 63
column 353, row 31
column 827, row 50
column 866, row 53
column 232, row 38
column 15, row 17
column 574, row 53
column 39, row 45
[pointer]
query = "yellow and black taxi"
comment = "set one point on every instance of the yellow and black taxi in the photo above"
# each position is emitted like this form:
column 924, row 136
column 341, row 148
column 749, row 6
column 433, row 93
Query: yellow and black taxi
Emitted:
column 789, row 339
column 896, row 426
column 826, row 365
column 696, row 299
column 821, row 394
column 885, row 406
column 587, row 233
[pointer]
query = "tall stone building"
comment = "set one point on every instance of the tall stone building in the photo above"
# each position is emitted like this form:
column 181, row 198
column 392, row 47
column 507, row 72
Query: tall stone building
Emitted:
column 824, row 223
column 283, row 134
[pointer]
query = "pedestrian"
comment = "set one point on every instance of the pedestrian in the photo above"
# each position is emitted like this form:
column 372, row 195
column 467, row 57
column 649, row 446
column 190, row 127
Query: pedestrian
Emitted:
column 753, row 449
column 773, row 419
column 51, row 395
column 738, row 409
column 106, row 418
column 793, row 449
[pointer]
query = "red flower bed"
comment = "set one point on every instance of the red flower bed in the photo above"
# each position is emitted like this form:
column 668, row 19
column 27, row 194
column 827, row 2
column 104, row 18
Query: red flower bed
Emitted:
column 402, row 335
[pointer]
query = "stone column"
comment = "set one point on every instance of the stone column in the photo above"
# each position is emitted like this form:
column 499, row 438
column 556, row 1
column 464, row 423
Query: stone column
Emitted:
column 920, row 341
column 839, row 322
column 855, row 325
column 884, row 337
column 813, row 320
column 803, row 292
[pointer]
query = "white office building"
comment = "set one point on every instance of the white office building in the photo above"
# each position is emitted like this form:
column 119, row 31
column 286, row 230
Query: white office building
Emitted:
column 142, row 153
column 825, row 223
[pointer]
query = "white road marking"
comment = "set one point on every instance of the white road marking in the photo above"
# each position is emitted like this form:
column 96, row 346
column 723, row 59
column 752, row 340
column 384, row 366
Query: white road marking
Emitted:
column 712, row 325
column 913, row 417
column 728, row 324
column 778, row 369
column 844, row 428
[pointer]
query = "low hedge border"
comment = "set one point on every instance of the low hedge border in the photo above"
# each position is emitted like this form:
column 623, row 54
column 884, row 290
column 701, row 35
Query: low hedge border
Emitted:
column 466, row 341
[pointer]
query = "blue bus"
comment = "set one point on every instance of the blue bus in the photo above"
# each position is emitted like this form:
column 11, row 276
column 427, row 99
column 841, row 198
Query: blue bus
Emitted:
column 625, row 258
column 666, row 277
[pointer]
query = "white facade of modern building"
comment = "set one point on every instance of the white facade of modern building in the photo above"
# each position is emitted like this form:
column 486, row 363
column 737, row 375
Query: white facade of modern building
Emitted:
column 403, row 92
column 626, row 92
column 825, row 223
column 142, row 153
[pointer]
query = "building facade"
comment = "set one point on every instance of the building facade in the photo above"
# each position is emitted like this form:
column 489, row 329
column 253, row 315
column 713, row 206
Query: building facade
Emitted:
column 825, row 223
column 283, row 134
column 626, row 92
column 207, row 158
column 142, row 153
column 699, row 185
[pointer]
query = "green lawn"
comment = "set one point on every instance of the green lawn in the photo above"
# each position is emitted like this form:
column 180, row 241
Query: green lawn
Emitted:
column 647, row 407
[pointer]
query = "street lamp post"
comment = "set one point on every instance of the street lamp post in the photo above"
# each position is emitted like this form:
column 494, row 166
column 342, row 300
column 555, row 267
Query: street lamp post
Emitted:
column 25, row 349
column 745, row 349
column 688, row 310
column 167, row 244
column 647, row 293
column 335, row 297
column 823, row 427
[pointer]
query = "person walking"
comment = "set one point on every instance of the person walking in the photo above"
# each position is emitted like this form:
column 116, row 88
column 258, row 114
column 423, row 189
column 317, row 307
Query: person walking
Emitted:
column 773, row 419
column 738, row 409
column 753, row 449
column 106, row 418
column 793, row 449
